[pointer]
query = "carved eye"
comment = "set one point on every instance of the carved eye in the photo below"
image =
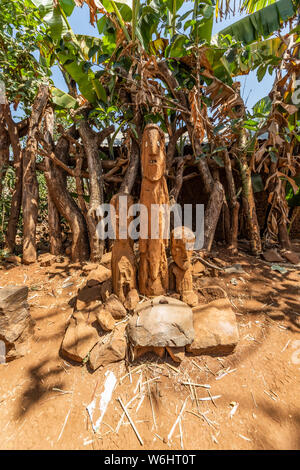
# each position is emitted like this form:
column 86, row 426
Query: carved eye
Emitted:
column 158, row 143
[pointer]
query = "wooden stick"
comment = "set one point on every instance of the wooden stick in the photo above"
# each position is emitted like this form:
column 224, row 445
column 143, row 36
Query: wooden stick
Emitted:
column 150, row 398
column 177, row 419
column 131, row 422
column 195, row 385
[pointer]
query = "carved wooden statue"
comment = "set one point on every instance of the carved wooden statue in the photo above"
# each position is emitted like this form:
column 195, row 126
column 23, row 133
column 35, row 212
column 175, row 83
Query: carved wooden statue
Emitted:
column 181, row 280
column 153, row 269
column 123, row 263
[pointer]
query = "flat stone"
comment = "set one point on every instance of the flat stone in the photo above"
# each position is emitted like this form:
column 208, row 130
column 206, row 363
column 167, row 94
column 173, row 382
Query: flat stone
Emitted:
column 177, row 354
column 88, row 307
column 87, row 295
column 105, row 319
column 16, row 323
column 110, row 350
column 115, row 307
column 132, row 299
column 80, row 337
column 160, row 322
column 216, row 330
column 272, row 256
column 99, row 275
column 106, row 290
column 291, row 257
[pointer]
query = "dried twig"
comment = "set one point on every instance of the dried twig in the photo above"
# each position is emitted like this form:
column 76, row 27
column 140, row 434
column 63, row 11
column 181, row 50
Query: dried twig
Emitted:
column 131, row 422
column 177, row 419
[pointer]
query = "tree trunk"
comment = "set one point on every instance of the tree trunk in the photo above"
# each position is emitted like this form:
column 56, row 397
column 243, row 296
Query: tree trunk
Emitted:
column 56, row 179
column 30, row 187
column 16, row 200
column 248, row 197
column 91, row 142
column 213, row 208
column 4, row 148
column 55, row 238
column 130, row 176
column 234, row 204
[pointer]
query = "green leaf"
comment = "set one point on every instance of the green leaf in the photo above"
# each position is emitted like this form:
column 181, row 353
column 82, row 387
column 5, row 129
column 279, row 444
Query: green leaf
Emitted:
column 100, row 91
column 52, row 17
column 63, row 100
column 68, row 6
column 261, row 23
column 177, row 48
column 261, row 72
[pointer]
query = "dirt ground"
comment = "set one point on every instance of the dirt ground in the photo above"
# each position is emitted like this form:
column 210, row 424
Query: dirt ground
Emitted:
column 253, row 401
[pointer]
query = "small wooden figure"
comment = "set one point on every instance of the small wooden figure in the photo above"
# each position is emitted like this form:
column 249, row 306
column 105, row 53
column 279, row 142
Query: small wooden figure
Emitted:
column 181, row 280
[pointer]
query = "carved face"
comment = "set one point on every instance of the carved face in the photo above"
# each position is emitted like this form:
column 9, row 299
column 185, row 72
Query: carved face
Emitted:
column 182, row 248
column 153, row 154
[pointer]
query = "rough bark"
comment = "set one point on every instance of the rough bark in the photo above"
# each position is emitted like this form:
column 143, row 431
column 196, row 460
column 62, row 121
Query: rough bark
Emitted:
column 248, row 197
column 55, row 238
column 16, row 200
column 213, row 208
column 233, row 203
column 56, row 179
column 4, row 148
column 91, row 142
column 30, row 192
column 131, row 172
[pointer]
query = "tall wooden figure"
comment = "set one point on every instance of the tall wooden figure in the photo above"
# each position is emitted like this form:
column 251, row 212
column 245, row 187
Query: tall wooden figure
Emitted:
column 122, row 260
column 153, row 268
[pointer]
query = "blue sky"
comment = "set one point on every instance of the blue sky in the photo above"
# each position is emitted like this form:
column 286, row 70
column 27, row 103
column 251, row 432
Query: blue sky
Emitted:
column 252, row 91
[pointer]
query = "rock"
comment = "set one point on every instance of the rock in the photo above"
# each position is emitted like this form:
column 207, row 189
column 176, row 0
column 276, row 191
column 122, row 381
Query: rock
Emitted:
column 291, row 256
column 162, row 321
column 115, row 307
column 105, row 319
column 216, row 330
column 106, row 290
column 177, row 354
column 112, row 349
column 16, row 323
column 138, row 351
column 98, row 276
column 87, row 268
column 132, row 299
column 272, row 256
column 46, row 259
column 80, row 337
column 198, row 268
column 87, row 295
column 13, row 259
column 106, row 259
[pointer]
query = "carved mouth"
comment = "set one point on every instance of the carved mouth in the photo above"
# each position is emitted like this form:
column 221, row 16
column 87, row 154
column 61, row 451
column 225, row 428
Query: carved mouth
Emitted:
column 153, row 161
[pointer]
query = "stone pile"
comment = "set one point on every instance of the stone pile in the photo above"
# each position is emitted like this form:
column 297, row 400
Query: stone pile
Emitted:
column 102, row 329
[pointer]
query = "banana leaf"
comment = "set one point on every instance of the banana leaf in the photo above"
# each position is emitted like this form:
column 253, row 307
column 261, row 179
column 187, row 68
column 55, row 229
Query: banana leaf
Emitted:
column 261, row 23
